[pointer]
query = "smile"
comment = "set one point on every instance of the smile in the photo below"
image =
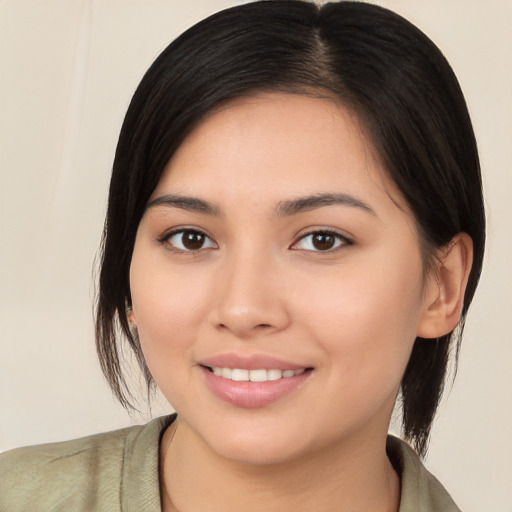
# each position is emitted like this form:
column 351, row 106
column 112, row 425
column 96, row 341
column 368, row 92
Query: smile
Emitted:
column 257, row 375
column 255, row 387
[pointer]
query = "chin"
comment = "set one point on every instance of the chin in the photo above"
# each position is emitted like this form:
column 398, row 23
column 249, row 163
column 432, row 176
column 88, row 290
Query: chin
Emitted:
column 256, row 442
column 257, row 453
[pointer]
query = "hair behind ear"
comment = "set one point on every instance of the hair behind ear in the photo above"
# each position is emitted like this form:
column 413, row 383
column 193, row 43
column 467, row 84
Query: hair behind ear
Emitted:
column 424, row 377
column 426, row 371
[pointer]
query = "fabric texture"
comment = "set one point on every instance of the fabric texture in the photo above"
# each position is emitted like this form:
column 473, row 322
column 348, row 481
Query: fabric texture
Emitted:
column 118, row 471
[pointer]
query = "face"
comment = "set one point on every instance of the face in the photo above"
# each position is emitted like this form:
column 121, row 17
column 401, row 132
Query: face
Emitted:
column 277, row 281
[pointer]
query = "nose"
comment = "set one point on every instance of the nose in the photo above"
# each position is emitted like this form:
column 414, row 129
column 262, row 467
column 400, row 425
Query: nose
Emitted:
column 250, row 297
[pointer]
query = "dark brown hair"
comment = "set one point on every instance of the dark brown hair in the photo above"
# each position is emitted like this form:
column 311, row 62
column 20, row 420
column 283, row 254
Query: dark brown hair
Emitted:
column 376, row 63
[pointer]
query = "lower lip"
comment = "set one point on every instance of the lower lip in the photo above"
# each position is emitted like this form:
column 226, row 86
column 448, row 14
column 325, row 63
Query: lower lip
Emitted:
column 252, row 394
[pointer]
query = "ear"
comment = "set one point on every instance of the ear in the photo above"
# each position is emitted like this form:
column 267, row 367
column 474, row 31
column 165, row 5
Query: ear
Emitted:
column 131, row 317
column 444, row 295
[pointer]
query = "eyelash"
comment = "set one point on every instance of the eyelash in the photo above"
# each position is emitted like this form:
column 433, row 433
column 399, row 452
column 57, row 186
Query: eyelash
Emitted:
column 343, row 240
column 165, row 240
column 340, row 240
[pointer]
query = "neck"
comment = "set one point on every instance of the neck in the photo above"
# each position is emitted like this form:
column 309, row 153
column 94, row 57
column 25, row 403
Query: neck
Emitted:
column 352, row 476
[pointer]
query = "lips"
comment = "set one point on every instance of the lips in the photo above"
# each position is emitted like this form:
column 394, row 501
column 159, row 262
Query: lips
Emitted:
column 252, row 381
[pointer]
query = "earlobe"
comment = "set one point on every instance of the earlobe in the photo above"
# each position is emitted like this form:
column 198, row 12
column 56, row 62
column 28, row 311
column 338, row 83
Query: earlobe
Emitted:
column 444, row 296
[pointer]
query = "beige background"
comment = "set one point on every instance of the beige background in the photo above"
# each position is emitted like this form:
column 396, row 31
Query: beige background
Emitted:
column 67, row 71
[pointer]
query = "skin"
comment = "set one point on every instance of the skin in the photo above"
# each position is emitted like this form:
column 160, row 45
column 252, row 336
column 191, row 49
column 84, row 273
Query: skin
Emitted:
column 259, row 285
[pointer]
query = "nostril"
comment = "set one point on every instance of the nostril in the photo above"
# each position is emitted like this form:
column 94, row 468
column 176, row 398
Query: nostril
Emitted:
column 247, row 321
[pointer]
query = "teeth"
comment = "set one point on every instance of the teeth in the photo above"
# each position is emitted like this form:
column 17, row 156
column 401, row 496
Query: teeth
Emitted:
column 240, row 375
column 258, row 375
column 274, row 374
column 262, row 375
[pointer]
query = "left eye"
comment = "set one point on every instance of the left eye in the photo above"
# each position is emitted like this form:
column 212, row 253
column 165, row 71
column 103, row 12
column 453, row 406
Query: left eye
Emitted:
column 321, row 241
column 190, row 240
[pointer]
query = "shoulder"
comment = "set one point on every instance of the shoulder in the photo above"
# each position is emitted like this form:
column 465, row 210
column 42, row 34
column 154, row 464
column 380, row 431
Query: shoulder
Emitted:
column 38, row 477
column 81, row 474
column 421, row 491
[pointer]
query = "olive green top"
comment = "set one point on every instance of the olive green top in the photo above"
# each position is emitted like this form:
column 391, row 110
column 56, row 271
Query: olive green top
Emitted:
column 118, row 471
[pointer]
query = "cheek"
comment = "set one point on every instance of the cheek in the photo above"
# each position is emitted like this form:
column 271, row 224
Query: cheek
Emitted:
column 366, row 323
column 168, row 307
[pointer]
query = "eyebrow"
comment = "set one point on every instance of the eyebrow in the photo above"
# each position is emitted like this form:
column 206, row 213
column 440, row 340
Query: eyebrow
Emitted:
column 304, row 204
column 191, row 204
column 282, row 209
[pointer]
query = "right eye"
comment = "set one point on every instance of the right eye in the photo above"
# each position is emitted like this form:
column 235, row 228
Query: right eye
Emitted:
column 189, row 240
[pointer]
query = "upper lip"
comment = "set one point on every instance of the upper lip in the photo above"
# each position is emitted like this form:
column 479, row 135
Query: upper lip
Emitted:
column 249, row 362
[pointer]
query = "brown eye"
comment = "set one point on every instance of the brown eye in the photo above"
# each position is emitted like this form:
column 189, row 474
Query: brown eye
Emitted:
column 190, row 240
column 321, row 241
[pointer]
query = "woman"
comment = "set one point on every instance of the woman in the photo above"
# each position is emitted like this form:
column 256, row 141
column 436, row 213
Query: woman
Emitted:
column 294, row 235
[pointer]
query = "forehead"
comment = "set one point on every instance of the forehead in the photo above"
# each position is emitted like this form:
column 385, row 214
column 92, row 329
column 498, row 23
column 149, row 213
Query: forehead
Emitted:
column 273, row 144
